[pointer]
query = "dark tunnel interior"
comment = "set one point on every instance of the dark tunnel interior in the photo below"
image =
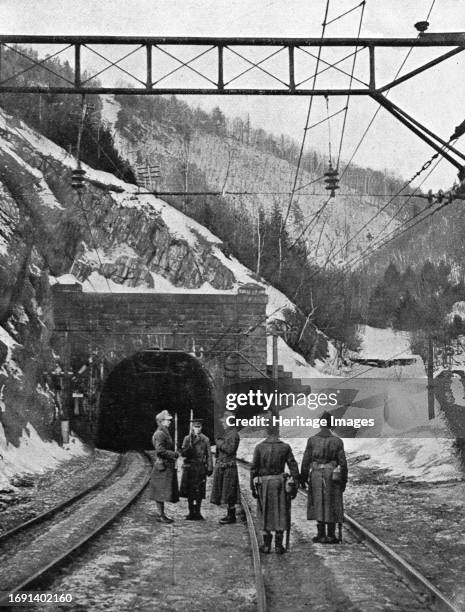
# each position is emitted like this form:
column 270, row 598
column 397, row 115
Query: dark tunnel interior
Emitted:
column 143, row 385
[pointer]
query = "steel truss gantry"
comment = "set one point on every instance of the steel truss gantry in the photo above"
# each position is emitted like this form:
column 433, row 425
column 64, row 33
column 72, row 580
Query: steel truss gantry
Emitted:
column 217, row 53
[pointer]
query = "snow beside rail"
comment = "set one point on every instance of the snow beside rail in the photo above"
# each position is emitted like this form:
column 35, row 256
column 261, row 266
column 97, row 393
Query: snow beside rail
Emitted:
column 33, row 454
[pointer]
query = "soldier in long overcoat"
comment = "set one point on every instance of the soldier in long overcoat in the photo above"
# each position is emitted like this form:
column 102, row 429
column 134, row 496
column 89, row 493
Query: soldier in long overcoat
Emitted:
column 197, row 466
column 163, row 486
column 269, row 485
column 324, row 469
column 225, row 488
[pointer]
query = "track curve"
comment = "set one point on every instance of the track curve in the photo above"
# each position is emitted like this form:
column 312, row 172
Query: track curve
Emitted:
column 75, row 524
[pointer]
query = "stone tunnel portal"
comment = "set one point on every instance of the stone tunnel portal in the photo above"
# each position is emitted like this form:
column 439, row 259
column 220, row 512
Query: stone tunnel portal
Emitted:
column 143, row 385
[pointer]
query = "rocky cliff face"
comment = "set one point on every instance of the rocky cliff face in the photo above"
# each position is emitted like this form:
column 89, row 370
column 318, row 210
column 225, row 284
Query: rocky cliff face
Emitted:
column 263, row 180
column 109, row 236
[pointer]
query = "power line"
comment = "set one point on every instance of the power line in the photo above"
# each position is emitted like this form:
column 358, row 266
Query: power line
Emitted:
column 322, row 208
column 395, row 233
column 383, row 208
column 404, row 61
column 307, row 121
column 362, row 4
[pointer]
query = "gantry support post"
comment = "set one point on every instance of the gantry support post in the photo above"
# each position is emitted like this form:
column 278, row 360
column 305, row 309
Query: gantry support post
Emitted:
column 77, row 65
column 220, row 67
column 371, row 51
column 148, row 49
column 291, row 69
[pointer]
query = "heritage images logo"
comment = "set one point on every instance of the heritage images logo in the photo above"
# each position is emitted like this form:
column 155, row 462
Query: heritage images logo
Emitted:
column 263, row 400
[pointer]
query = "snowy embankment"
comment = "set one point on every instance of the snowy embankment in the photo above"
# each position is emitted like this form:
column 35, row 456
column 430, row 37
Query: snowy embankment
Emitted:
column 33, row 455
column 293, row 362
column 383, row 343
column 403, row 451
column 419, row 459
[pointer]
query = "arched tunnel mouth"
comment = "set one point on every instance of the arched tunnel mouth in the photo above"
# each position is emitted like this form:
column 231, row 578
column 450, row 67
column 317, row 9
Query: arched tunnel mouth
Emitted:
column 143, row 385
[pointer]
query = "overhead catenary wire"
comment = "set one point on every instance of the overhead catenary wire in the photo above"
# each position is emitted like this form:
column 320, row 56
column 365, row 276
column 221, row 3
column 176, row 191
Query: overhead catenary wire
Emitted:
column 396, row 233
column 380, row 210
column 354, row 61
column 375, row 114
column 307, row 121
column 328, row 118
column 426, row 165
column 325, row 204
column 354, row 8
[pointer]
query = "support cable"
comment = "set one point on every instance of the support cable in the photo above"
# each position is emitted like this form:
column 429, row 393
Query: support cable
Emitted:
column 89, row 227
column 318, row 213
column 383, row 208
column 347, row 12
column 329, row 130
column 375, row 114
column 396, row 233
column 307, row 121
column 354, row 61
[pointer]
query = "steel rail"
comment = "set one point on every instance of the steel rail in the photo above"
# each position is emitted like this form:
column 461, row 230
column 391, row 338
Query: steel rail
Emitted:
column 61, row 506
column 383, row 551
column 415, row 579
column 101, row 526
column 262, row 605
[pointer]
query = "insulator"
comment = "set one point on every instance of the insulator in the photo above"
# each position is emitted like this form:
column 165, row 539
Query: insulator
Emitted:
column 422, row 26
column 332, row 180
column 77, row 178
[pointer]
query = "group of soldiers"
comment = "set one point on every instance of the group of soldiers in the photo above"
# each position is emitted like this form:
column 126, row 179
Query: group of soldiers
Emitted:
column 323, row 471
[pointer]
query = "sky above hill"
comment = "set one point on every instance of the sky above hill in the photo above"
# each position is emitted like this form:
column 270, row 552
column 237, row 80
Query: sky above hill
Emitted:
column 435, row 98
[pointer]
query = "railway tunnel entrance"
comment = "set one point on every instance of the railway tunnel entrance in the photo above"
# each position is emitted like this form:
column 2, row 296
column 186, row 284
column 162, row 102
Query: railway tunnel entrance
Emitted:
column 111, row 384
column 141, row 386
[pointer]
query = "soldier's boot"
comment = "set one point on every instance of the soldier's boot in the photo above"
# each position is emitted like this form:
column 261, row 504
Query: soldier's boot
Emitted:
column 331, row 537
column 191, row 515
column 198, row 516
column 266, row 546
column 320, row 536
column 278, row 543
column 230, row 518
column 161, row 516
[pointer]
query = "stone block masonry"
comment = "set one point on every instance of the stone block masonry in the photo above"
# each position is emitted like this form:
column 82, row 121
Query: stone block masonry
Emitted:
column 120, row 324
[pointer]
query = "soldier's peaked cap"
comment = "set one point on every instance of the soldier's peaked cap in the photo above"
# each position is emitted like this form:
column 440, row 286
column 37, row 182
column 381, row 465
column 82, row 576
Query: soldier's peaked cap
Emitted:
column 164, row 414
column 196, row 421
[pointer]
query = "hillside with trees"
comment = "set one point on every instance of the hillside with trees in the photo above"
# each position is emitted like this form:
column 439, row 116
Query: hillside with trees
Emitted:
column 58, row 116
column 299, row 244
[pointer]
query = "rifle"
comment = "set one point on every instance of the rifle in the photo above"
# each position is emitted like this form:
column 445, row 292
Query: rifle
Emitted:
column 288, row 516
column 288, row 526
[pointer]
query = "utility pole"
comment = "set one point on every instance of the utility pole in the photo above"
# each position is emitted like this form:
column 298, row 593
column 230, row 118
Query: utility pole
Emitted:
column 429, row 371
column 274, row 374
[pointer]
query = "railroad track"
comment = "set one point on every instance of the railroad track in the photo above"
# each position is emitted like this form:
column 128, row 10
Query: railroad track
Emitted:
column 355, row 533
column 40, row 518
column 30, row 550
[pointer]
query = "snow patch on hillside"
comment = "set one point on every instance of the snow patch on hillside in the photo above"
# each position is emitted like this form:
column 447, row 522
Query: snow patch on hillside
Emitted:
column 428, row 459
column 33, row 454
column 9, row 366
column 292, row 361
column 458, row 310
column 383, row 343
column 419, row 459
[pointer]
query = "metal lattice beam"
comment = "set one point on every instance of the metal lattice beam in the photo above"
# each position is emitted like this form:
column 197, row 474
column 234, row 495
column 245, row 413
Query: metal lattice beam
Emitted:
column 214, row 50
column 221, row 57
